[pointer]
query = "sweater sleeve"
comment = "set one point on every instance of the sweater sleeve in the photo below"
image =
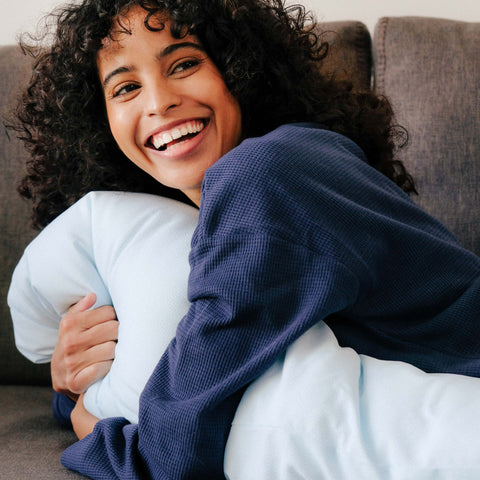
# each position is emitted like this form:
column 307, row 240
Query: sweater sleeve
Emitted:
column 62, row 407
column 257, row 283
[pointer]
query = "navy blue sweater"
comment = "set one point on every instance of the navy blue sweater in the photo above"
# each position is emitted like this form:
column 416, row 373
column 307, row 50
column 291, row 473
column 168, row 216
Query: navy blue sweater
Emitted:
column 295, row 227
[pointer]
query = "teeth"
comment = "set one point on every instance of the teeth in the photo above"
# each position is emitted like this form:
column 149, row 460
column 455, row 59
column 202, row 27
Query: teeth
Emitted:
column 163, row 138
column 176, row 133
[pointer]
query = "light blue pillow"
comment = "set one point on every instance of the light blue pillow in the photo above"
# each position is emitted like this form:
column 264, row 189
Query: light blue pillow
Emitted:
column 321, row 411
column 325, row 412
column 132, row 251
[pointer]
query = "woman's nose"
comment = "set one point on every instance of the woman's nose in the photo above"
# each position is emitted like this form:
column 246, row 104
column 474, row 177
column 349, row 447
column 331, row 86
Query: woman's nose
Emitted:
column 161, row 97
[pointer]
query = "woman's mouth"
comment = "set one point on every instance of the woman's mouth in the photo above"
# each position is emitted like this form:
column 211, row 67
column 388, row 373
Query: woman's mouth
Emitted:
column 177, row 135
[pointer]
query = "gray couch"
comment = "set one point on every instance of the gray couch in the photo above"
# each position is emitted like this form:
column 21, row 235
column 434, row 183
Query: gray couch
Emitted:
column 429, row 68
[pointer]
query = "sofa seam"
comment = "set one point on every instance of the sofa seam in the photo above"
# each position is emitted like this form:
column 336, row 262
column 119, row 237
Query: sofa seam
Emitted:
column 381, row 65
column 365, row 61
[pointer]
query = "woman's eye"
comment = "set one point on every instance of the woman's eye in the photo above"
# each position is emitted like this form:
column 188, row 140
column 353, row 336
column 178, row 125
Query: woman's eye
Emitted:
column 185, row 65
column 125, row 89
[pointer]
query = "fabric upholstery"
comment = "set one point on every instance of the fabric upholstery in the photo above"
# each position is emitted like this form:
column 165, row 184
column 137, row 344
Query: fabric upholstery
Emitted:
column 349, row 55
column 30, row 440
column 430, row 69
column 14, row 229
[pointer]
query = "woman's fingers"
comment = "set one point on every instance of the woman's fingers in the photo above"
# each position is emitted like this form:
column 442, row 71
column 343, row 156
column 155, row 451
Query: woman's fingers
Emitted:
column 91, row 374
column 81, row 331
column 79, row 316
column 88, row 301
column 85, row 347
column 95, row 317
column 107, row 331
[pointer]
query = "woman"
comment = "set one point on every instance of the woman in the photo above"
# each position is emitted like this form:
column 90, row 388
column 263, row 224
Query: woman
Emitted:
column 301, row 214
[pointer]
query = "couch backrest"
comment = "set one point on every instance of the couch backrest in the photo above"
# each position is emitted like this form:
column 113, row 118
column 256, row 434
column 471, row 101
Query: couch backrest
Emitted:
column 350, row 53
column 430, row 70
column 14, row 214
column 350, row 57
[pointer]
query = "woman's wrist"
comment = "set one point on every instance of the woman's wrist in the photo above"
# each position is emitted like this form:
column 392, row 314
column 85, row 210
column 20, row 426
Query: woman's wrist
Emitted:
column 82, row 420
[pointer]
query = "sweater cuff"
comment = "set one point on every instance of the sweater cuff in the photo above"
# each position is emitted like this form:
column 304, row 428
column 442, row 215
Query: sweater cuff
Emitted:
column 62, row 407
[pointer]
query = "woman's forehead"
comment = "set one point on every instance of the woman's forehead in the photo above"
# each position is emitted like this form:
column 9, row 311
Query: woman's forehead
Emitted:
column 133, row 18
column 131, row 37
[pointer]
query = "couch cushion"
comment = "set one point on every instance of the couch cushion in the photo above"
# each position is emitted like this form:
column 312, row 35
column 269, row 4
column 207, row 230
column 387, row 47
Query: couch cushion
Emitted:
column 349, row 56
column 430, row 70
column 30, row 441
column 15, row 232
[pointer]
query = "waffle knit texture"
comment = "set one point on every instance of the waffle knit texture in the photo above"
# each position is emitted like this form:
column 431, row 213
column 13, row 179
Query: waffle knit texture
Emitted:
column 295, row 227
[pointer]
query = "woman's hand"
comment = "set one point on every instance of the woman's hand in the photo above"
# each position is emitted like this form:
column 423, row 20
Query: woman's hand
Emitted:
column 85, row 347
column 82, row 420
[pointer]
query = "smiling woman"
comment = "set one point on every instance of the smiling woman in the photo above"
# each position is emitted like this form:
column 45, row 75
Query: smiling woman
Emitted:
column 168, row 107
column 303, row 215
column 267, row 56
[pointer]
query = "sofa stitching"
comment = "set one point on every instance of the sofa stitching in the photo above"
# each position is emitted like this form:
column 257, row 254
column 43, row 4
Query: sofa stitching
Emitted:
column 381, row 64
column 363, row 47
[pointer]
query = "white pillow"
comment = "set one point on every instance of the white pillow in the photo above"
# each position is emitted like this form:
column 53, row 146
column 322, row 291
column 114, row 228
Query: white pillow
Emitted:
column 321, row 411
column 132, row 251
column 325, row 412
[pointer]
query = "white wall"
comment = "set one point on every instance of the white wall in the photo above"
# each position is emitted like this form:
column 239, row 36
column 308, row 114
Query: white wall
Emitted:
column 18, row 16
column 369, row 11
column 22, row 15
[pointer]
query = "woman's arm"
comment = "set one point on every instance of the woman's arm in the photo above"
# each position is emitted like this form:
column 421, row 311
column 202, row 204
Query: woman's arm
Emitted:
column 291, row 230
column 85, row 348
column 255, row 287
column 82, row 420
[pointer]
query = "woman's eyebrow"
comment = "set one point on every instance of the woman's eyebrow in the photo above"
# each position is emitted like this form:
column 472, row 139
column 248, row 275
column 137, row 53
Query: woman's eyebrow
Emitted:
column 175, row 46
column 165, row 52
column 117, row 71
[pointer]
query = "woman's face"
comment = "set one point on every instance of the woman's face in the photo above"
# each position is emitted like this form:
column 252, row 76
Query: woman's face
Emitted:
column 168, row 107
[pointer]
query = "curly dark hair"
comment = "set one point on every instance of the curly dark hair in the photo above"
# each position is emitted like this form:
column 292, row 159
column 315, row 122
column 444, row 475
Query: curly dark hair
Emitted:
column 268, row 55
